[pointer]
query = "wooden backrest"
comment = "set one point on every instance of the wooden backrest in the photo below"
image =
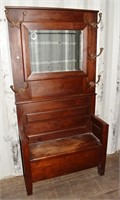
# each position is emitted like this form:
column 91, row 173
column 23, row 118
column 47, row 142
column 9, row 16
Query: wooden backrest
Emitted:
column 54, row 104
column 55, row 118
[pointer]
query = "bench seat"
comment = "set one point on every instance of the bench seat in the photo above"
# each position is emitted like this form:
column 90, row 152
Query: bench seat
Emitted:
column 64, row 153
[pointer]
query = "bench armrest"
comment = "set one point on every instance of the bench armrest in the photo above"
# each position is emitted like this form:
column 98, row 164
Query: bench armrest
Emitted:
column 24, row 143
column 100, row 129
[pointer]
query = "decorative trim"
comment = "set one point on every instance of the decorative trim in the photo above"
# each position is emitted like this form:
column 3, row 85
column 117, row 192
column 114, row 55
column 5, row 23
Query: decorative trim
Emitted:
column 15, row 23
column 93, row 56
column 19, row 90
column 95, row 24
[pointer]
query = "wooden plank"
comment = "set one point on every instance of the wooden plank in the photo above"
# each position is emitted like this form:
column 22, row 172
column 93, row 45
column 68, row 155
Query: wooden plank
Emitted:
column 38, row 116
column 56, row 125
column 64, row 164
column 62, row 146
column 58, row 134
column 56, row 87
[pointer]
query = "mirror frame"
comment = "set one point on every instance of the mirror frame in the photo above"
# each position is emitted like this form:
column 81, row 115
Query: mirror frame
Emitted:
column 55, row 50
column 26, row 26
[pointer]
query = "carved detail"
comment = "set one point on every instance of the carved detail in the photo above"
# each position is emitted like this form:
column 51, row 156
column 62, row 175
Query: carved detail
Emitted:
column 20, row 90
column 93, row 56
column 15, row 23
column 93, row 84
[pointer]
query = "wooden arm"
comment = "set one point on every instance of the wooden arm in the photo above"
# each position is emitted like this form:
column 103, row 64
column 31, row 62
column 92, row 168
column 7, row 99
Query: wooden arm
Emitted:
column 100, row 129
column 22, row 135
column 26, row 159
column 98, row 121
column 24, row 146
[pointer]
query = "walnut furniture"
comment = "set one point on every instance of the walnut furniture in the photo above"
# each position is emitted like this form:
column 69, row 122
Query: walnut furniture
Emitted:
column 59, row 132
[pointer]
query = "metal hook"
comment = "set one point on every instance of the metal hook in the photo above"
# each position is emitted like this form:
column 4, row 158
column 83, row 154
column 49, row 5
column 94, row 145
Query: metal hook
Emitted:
column 95, row 24
column 15, row 23
column 93, row 56
column 93, row 84
column 20, row 90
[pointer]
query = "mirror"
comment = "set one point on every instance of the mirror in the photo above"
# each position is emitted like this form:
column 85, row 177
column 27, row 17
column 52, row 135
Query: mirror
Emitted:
column 55, row 50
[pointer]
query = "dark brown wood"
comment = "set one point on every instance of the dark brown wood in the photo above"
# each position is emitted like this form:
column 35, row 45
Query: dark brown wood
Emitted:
column 65, row 155
column 59, row 132
column 100, row 129
column 24, row 143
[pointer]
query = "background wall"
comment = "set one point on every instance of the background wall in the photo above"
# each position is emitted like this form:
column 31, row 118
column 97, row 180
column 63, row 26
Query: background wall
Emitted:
column 108, row 90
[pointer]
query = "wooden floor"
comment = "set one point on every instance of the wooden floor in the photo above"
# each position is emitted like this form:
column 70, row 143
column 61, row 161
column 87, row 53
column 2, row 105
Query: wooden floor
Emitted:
column 83, row 185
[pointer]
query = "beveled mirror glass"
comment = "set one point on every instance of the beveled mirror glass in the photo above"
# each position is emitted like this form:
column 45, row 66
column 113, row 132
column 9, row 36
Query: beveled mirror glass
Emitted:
column 55, row 50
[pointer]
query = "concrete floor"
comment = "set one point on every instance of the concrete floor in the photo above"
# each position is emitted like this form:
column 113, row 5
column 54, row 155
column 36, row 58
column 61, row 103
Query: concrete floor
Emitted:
column 83, row 185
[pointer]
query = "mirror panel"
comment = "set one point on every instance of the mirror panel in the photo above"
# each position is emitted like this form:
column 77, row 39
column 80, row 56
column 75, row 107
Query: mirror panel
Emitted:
column 55, row 50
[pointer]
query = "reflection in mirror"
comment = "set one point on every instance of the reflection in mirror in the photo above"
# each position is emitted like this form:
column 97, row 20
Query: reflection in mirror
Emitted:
column 55, row 50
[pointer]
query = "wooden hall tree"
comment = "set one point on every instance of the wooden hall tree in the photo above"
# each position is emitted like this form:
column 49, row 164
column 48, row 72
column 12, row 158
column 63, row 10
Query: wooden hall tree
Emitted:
column 53, row 55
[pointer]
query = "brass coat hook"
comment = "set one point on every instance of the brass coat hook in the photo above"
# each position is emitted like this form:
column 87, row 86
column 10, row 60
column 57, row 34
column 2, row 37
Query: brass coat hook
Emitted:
column 93, row 84
column 15, row 23
column 95, row 24
column 20, row 90
column 93, row 56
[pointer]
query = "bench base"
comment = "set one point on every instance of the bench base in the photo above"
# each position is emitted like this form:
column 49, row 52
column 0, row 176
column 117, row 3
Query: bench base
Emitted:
column 62, row 156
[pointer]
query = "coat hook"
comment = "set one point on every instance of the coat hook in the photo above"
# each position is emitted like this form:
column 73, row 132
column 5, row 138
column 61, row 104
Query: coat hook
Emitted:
column 94, row 24
column 20, row 90
column 93, row 84
column 93, row 56
column 15, row 23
